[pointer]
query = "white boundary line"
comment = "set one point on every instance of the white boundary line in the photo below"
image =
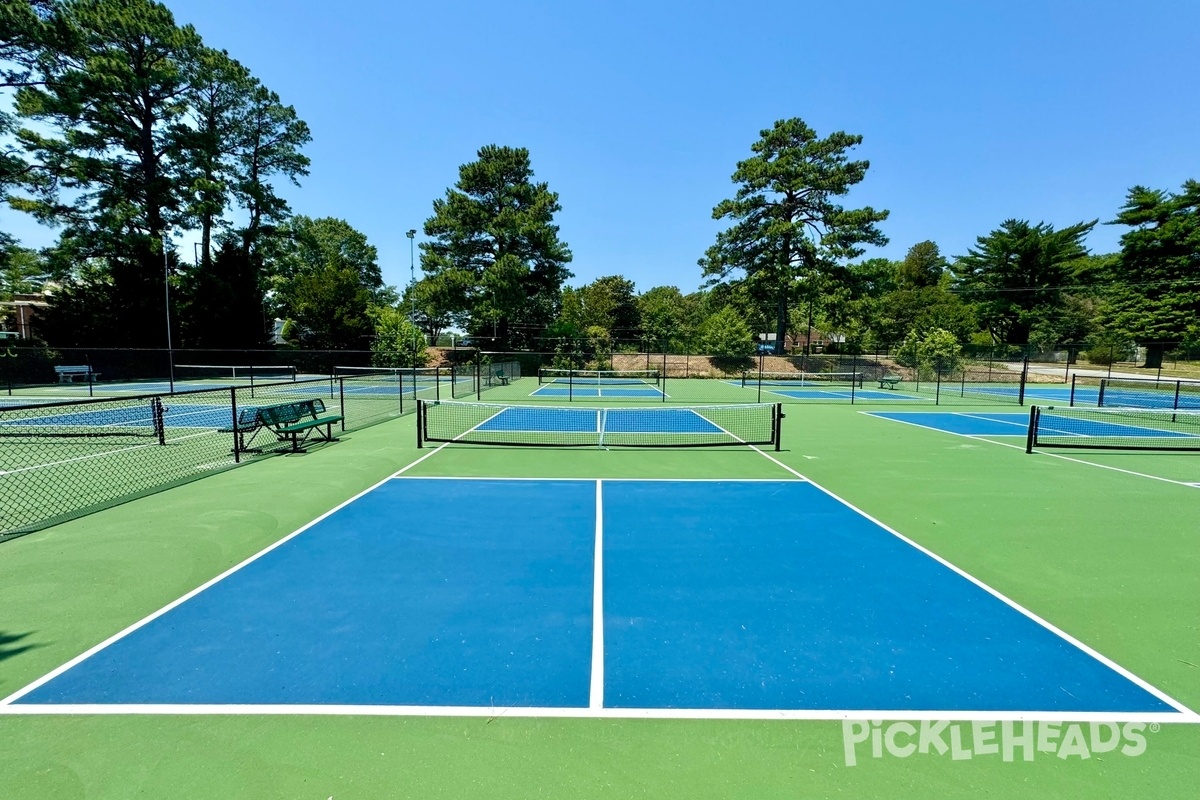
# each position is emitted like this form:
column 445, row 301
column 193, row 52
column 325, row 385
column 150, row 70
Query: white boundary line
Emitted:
column 6, row 702
column 17, row 695
column 596, row 692
column 595, row 710
column 1182, row 709
column 606, row 480
column 492, row 712
column 878, row 415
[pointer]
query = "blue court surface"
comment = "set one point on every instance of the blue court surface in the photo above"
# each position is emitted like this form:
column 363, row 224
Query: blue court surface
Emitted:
column 596, row 392
column 594, row 420
column 818, row 392
column 175, row 415
column 593, row 597
column 966, row 423
column 980, row 423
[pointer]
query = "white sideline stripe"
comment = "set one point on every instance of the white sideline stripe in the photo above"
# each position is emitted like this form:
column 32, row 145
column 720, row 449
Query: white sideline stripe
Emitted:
column 17, row 695
column 606, row 480
column 495, row 712
column 1012, row 603
column 1094, row 464
column 1035, row 452
column 752, row 447
column 596, row 693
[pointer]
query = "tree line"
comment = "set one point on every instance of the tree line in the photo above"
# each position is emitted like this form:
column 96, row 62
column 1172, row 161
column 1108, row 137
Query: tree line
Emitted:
column 125, row 129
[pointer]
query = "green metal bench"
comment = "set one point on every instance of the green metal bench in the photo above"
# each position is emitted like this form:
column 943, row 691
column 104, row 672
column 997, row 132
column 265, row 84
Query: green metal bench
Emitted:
column 298, row 420
column 501, row 377
column 248, row 422
column 889, row 381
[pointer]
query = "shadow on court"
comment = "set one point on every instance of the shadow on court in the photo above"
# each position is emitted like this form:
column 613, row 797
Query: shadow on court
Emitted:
column 8, row 640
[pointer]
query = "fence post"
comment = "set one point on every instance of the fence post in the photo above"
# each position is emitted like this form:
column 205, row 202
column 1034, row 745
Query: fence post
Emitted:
column 1024, row 378
column 237, row 437
column 342, row 401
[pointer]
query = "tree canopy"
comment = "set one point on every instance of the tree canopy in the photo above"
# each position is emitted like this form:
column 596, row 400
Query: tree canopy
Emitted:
column 787, row 226
column 1018, row 275
column 497, row 226
column 1154, row 284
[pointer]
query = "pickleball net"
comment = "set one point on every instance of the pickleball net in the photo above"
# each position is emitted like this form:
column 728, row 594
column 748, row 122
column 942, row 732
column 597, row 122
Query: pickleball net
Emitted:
column 1113, row 429
column 551, row 426
column 600, row 377
column 803, row 379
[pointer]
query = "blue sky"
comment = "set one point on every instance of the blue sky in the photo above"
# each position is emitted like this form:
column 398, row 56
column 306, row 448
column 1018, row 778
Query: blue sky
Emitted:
column 637, row 112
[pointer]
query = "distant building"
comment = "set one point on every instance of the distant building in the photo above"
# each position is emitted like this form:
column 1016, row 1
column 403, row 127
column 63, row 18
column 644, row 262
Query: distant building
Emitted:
column 17, row 314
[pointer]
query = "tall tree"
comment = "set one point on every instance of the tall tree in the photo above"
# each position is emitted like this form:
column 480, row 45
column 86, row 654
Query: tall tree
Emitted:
column 272, row 138
column 1018, row 274
column 217, row 94
column 787, row 225
column 669, row 318
column 22, row 271
column 28, row 35
column 922, row 266
column 435, row 298
column 327, row 277
column 107, row 115
column 221, row 303
column 497, row 226
column 610, row 303
column 1154, row 296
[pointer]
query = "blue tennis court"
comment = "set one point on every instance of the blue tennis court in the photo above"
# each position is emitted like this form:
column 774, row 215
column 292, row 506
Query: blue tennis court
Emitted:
column 175, row 415
column 978, row 423
column 593, row 420
column 592, row 595
column 644, row 391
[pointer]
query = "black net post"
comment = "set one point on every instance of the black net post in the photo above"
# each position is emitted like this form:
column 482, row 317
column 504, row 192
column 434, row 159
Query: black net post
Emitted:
column 1029, row 436
column 778, row 425
column 156, row 413
column 91, row 383
column 1178, row 384
column 570, row 385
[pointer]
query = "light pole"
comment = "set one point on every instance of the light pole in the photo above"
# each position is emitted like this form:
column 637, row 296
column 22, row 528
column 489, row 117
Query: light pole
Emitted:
column 167, row 306
column 412, row 287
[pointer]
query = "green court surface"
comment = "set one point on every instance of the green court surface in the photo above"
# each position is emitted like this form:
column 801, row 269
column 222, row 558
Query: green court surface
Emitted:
column 1098, row 545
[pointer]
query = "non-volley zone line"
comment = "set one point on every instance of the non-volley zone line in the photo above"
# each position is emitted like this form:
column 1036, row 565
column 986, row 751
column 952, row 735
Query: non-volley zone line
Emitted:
column 721, row 599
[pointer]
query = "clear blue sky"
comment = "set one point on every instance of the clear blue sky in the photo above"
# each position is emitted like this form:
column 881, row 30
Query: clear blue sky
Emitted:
column 637, row 112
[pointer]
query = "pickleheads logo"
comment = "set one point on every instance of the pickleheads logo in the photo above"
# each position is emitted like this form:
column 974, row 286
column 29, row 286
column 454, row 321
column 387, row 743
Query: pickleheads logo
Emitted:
column 1007, row 740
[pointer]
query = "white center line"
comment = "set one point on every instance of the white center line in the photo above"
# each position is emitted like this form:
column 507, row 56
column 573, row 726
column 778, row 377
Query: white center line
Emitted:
column 596, row 696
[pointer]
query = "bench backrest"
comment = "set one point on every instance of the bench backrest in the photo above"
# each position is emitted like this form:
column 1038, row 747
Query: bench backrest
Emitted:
column 290, row 413
column 83, row 369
